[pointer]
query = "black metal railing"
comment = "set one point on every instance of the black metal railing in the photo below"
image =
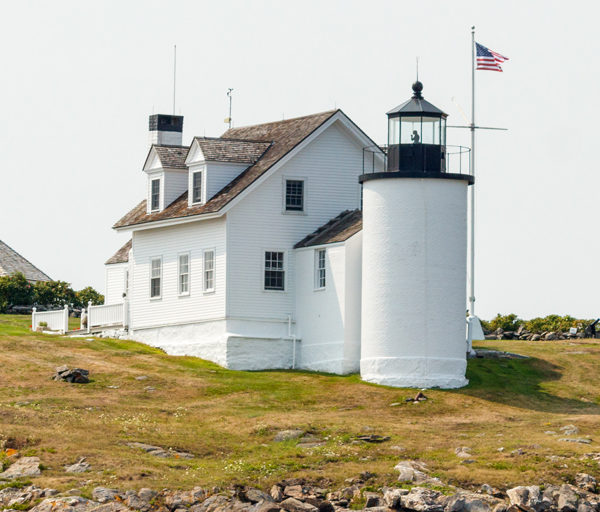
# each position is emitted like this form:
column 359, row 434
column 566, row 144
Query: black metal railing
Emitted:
column 458, row 159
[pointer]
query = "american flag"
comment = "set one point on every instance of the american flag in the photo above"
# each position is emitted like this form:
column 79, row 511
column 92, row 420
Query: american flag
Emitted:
column 488, row 59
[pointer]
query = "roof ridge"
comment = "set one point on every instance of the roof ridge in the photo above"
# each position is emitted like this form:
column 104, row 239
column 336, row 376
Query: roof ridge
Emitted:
column 286, row 120
column 234, row 139
column 170, row 146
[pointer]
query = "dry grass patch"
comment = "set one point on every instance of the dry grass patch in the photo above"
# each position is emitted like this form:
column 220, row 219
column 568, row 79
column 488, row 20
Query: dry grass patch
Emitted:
column 228, row 419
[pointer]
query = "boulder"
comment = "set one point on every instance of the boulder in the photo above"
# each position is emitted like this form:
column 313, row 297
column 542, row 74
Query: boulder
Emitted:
column 550, row 336
column 286, row 435
column 277, row 493
column 74, row 376
column 586, row 482
column 567, row 499
column 392, row 496
column 79, row 467
column 69, row 504
column 294, row 505
column 22, row 468
column 103, row 495
column 422, row 500
column 372, row 499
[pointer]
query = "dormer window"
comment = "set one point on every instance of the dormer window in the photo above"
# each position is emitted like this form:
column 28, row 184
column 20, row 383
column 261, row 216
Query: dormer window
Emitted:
column 197, row 187
column 155, row 195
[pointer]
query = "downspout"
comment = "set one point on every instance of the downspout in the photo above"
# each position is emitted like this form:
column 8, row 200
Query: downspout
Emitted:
column 293, row 337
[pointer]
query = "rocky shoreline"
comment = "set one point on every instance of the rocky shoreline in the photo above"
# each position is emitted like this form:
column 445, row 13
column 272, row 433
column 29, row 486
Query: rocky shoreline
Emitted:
column 414, row 491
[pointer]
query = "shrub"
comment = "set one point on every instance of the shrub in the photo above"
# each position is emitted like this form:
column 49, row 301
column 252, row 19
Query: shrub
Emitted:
column 89, row 294
column 554, row 323
column 15, row 290
column 54, row 293
column 510, row 322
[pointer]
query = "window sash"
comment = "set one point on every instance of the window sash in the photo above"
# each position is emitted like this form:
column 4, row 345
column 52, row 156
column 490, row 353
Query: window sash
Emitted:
column 155, row 195
column 155, row 278
column 294, row 195
column 209, row 271
column 321, row 269
column 274, row 271
column 197, row 187
column 184, row 274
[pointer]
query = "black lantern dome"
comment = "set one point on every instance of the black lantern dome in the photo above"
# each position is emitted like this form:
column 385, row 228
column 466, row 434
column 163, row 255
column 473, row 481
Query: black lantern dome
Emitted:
column 416, row 135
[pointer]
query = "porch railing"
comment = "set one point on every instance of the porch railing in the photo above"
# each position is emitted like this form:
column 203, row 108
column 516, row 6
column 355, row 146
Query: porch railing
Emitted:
column 57, row 320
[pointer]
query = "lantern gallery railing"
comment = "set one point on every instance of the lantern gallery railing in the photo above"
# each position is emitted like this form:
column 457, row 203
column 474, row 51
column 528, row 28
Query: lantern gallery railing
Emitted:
column 457, row 158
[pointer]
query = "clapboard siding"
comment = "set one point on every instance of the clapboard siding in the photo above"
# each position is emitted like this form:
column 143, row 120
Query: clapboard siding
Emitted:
column 330, row 166
column 168, row 243
column 175, row 183
column 115, row 283
column 220, row 174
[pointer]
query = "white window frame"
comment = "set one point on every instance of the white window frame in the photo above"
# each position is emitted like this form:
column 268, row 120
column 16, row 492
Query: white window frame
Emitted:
column 284, row 209
column 318, row 276
column 160, row 187
column 179, row 274
column 213, row 270
column 202, row 186
column 152, row 260
column 264, row 270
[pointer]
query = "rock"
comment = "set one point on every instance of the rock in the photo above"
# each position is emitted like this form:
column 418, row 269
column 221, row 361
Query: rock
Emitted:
column 293, row 491
column 141, row 377
column 74, row 376
column 422, row 500
column 326, row 506
column 277, row 493
column 463, row 452
column 294, row 505
column 102, row 494
column 79, row 467
column 211, row 504
column 69, row 504
column 287, row 435
column 569, row 430
column 146, row 495
column 256, row 495
column 525, row 497
column 372, row 438
column 157, row 451
column 266, row 506
column 411, row 471
column 372, row 499
column 586, row 482
column 567, row 499
column 392, row 497
column 583, row 440
column 22, row 468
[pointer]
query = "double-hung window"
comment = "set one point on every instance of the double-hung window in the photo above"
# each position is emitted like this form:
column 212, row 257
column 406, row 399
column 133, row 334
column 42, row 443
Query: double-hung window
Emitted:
column 155, row 278
column 294, row 195
column 184, row 274
column 274, row 271
column 320, row 269
column 209, row 270
column 197, row 187
column 155, row 195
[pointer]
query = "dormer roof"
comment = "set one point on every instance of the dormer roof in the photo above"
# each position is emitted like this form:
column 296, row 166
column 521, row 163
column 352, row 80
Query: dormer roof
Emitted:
column 338, row 229
column 170, row 157
column 122, row 255
column 231, row 150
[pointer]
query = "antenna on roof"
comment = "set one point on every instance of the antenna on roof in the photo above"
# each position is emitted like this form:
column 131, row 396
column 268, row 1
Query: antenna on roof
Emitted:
column 174, row 74
column 417, row 69
column 230, row 96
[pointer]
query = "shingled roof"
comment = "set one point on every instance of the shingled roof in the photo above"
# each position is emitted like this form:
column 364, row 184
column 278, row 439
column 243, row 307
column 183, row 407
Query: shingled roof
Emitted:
column 121, row 256
column 283, row 136
column 11, row 261
column 339, row 229
column 172, row 157
column 231, row 150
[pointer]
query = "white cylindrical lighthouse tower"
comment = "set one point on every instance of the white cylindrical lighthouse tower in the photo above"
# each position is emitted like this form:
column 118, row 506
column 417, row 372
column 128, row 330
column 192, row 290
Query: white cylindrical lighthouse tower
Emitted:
column 414, row 257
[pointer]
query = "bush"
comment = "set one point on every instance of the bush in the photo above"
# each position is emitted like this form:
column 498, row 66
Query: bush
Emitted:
column 15, row 290
column 510, row 322
column 554, row 323
column 53, row 293
column 89, row 294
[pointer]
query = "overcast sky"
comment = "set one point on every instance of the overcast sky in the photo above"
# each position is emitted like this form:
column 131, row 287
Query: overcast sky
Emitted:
column 80, row 78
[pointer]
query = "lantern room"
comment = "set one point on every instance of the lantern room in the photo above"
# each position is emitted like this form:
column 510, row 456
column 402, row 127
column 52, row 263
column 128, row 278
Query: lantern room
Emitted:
column 416, row 136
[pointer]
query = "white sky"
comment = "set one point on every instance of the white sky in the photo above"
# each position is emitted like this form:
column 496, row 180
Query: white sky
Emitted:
column 80, row 79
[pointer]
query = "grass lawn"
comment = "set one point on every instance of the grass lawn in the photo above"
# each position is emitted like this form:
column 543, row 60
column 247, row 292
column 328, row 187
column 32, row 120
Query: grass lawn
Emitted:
column 228, row 419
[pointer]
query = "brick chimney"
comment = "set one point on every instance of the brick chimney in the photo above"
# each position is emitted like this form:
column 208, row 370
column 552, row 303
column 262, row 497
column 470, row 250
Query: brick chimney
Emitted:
column 165, row 129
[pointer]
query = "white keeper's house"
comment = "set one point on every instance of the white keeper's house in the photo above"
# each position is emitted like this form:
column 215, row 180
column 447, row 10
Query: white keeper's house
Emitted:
column 248, row 249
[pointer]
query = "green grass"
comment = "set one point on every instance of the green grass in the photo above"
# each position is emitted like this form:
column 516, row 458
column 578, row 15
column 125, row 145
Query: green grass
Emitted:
column 228, row 419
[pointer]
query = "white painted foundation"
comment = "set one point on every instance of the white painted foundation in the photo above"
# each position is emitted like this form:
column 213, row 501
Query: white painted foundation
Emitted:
column 414, row 282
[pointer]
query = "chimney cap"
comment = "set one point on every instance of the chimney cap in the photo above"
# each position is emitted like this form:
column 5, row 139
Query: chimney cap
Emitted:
column 165, row 123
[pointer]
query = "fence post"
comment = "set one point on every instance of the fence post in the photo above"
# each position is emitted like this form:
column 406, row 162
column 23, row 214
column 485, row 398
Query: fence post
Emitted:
column 89, row 316
column 33, row 327
column 66, row 319
column 81, row 317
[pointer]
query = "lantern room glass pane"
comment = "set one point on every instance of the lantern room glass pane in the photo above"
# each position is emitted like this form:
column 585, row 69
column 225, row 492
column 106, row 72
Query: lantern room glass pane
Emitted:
column 410, row 130
column 431, row 130
column 393, row 131
column 443, row 132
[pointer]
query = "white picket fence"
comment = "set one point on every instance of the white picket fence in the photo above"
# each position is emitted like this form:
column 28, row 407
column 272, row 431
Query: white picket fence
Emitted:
column 54, row 320
column 106, row 315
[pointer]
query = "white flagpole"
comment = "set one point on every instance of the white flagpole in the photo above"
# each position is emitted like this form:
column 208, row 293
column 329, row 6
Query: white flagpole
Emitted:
column 472, row 276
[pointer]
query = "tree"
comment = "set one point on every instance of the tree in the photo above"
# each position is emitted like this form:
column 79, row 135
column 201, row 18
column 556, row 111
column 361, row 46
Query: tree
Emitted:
column 53, row 293
column 15, row 290
column 89, row 294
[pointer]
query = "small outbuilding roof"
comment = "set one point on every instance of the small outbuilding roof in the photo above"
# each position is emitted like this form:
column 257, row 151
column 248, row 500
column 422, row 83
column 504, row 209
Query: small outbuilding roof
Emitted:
column 11, row 262
column 122, row 255
column 172, row 157
column 231, row 150
column 339, row 229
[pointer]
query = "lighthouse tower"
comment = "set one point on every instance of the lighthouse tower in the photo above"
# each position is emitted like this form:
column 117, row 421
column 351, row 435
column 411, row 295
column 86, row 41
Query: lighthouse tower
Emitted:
column 414, row 256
